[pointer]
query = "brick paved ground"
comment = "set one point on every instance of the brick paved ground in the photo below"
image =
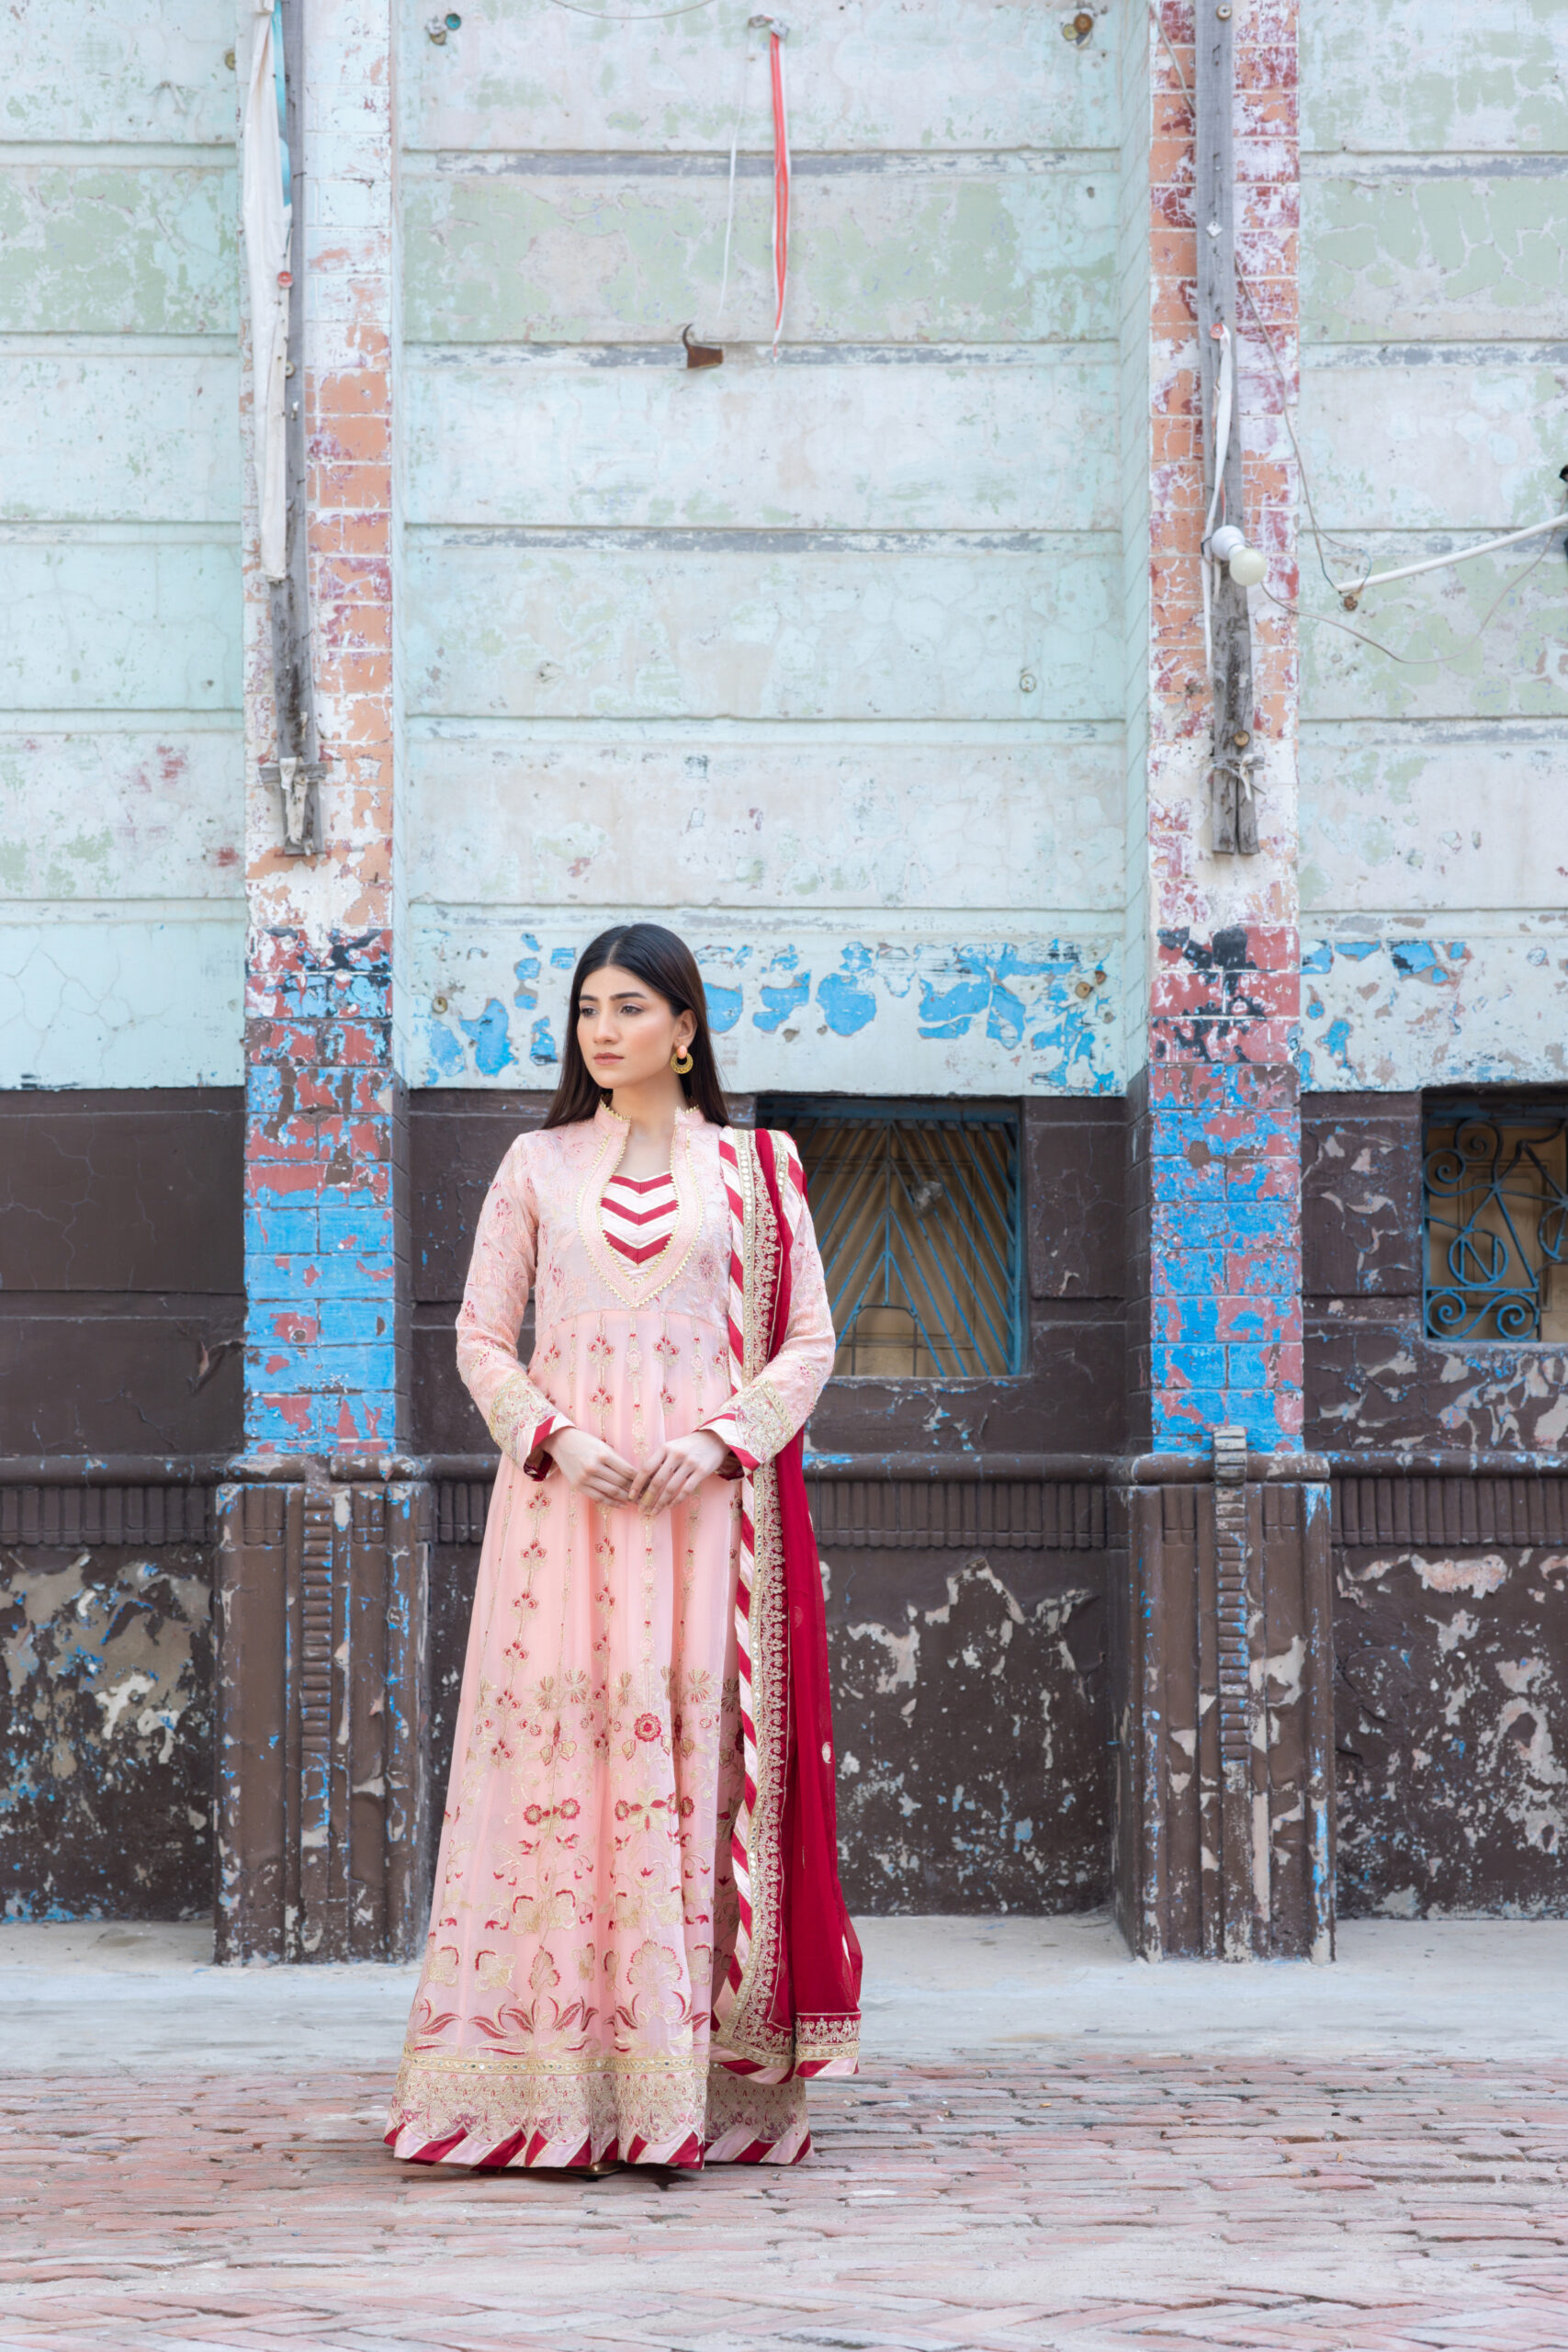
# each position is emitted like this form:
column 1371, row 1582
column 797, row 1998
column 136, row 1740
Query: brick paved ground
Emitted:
column 1108, row 2203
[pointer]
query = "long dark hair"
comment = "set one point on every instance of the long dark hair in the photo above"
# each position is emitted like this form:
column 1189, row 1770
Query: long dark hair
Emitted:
column 666, row 966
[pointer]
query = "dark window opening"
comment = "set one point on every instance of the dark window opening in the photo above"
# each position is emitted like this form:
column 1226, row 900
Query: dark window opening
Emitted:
column 1495, row 1200
column 917, row 1208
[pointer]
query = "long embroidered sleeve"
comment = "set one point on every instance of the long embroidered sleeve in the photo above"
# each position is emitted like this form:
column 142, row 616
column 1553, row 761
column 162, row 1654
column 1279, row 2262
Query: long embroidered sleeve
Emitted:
column 761, row 1418
column 519, row 1415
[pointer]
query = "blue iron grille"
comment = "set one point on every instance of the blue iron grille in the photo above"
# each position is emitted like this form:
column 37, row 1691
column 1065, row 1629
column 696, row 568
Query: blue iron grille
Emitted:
column 916, row 1212
column 1495, row 1192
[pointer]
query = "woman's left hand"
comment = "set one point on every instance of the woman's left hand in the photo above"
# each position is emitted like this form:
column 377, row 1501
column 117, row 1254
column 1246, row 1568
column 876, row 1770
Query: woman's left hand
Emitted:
column 677, row 1470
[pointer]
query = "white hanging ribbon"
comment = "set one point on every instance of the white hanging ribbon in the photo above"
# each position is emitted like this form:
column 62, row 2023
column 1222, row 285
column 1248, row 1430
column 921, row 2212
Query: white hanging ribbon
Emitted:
column 1224, row 400
column 778, row 33
column 267, row 212
column 730, row 209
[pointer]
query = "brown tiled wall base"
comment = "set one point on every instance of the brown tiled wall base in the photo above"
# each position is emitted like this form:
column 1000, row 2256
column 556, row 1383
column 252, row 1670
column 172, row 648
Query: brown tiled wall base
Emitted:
column 121, row 1283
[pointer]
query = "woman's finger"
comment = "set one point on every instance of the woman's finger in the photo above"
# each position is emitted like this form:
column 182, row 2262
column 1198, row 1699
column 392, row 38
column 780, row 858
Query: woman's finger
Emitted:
column 662, row 1492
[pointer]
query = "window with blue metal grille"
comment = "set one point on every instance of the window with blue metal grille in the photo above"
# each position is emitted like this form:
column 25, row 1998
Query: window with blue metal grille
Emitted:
column 1494, row 1196
column 917, row 1210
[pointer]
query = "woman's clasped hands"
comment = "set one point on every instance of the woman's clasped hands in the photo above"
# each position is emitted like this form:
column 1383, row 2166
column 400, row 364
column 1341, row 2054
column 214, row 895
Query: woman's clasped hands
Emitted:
column 677, row 1470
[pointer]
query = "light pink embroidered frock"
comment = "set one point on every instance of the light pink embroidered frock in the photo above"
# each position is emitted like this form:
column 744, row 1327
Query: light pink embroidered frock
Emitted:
column 585, row 1903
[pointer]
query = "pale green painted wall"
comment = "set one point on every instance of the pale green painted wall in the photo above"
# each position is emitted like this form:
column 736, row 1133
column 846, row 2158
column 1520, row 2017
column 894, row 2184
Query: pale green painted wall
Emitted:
column 122, row 935
column 1435, row 276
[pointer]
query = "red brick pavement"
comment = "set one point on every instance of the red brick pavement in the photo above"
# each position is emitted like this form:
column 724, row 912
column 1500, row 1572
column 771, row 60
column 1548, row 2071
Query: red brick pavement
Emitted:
column 1131, row 2201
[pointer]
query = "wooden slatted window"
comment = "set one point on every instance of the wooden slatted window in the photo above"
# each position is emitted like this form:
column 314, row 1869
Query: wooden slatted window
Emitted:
column 918, row 1212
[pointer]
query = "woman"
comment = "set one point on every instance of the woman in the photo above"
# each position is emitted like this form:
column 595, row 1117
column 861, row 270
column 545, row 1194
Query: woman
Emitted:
column 638, row 1949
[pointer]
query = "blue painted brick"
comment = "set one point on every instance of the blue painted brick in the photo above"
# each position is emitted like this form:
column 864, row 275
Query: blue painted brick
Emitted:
column 298, row 1280
column 1182, row 1418
column 343, row 1320
column 271, row 1231
column 1195, row 1367
column 1272, row 1273
column 1257, row 1410
column 354, row 1368
column 1198, row 1319
column 350, row 1221
column 1187, row 1273
column 1179, row 1228
column 263, row 1091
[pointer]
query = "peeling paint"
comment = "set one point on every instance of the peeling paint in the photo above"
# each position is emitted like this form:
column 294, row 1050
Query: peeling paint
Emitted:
column 1453, row 1796
column 870, row 1014
column 981, row 1766
column 105, row 1806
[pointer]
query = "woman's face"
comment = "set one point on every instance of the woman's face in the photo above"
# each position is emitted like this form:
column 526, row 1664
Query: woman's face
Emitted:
column 625, row 1029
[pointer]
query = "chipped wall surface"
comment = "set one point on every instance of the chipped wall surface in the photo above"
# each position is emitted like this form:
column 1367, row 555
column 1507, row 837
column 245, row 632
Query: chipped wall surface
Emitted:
column 325, row 1257
column 123, row 936
column 106, row 1810
column 833, row 638
column 888, row 1011
column 1432, row 240
column 878, row 670
column 1215, row 1324
column 1452, row 1728
column 973, row 1735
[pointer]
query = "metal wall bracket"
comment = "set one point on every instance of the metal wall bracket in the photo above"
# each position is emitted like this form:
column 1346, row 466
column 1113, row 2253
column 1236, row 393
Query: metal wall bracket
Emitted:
column 299, row 768
column 298, row 780
column 1235, row 756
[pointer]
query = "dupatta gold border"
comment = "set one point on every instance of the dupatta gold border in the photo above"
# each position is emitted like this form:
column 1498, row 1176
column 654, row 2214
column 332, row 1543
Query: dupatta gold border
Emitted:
column 746, row 2032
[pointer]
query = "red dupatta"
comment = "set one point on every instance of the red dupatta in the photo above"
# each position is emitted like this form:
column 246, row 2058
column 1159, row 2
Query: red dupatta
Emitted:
column 789, row 2001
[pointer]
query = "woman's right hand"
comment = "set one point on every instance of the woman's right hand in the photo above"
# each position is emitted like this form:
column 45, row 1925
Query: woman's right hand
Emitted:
column 591, row 1467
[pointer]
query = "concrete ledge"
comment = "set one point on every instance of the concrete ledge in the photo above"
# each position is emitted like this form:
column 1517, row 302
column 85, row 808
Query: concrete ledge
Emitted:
column 147, row 1999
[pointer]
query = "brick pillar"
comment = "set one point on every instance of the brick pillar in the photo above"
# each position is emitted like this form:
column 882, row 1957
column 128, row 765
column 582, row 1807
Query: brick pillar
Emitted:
column 322, row 1720
column 1218, row 1124
column 325, row 1250
column 1225, row 1827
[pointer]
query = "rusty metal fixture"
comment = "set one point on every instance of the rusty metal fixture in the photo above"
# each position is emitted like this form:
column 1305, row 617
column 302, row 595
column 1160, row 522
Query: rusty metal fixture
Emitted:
column 701, row 354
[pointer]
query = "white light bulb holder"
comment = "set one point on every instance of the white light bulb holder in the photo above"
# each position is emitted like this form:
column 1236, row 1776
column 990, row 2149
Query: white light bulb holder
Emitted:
column 1228, row 546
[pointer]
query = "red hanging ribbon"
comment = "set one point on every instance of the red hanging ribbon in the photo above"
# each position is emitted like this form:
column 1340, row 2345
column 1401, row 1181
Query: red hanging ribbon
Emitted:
column 777, row 36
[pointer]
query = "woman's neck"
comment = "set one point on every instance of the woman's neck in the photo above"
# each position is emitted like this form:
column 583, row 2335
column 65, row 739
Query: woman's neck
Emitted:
column 649, row 1110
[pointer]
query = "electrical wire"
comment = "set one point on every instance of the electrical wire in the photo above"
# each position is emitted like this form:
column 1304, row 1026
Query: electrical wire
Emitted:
column 1321, row 537
column 1416, row 661
column 619, row 16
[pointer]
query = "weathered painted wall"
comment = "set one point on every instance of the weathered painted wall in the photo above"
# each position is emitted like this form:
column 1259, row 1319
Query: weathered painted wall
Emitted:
column 120, row 868
column 1451, row 1718
column 1432, row 840
column 1214, row 1318
column 818, row 660
column 326, row 1270
column 106, row 1763
column 121, row 1285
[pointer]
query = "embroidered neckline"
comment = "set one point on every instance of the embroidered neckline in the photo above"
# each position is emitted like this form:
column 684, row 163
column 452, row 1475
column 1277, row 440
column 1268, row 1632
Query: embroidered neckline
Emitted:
column 636, row 1285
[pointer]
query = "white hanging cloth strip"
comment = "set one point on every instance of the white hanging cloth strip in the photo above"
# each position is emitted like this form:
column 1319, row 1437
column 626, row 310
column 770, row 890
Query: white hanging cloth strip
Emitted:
column 267, row 212
column 1223, row 399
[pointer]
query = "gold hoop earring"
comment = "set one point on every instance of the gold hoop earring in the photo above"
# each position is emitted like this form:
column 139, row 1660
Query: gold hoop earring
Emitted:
column 682, row 1064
